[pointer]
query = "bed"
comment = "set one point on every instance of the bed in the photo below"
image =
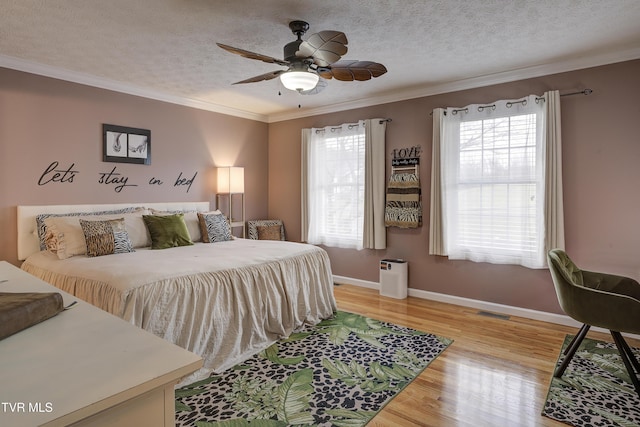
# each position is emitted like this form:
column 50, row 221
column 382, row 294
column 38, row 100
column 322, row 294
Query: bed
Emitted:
column 223, row 301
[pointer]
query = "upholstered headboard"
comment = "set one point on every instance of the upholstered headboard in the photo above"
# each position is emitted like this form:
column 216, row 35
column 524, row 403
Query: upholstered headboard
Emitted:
column 28, row 242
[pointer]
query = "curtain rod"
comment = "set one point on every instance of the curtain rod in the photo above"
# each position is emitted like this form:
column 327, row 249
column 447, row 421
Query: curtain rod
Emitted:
column 581, row 92
column 352, row 125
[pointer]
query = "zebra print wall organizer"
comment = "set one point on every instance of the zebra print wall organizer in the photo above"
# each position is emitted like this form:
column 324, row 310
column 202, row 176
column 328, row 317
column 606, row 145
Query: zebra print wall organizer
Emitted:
column 403, row 205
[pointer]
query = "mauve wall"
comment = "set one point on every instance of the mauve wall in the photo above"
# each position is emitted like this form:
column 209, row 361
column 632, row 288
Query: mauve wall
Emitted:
column 601, row 166
column 44, row 120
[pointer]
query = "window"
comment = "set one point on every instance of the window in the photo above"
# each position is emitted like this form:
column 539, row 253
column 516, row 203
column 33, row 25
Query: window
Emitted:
column 496, row 205
column 492, row 167
column 336, row 186
column 343, row 170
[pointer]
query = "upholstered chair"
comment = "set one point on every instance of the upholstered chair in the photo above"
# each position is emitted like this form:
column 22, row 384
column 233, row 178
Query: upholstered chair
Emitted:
column 597, row 299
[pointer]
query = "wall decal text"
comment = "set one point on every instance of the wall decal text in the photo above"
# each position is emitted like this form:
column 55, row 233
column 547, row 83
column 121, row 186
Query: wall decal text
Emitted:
column 184, row 181
column 114, row 177
column 53, row 174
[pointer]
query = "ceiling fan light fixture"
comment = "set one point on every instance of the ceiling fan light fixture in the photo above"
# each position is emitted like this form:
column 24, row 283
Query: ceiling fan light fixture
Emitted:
column 299, row 80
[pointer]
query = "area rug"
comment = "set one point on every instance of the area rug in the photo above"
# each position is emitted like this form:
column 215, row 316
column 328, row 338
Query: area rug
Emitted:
column 340, row 372
column 595, row 390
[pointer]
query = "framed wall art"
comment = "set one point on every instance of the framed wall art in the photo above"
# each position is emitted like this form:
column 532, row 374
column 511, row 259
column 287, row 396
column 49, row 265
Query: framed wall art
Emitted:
column 126, row 145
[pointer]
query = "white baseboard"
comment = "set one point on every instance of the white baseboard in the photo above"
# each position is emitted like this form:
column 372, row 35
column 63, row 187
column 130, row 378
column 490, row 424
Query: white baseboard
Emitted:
column 526, row 313
column 357, row 282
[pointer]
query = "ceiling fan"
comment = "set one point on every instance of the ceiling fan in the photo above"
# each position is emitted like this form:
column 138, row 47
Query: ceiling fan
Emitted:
column 312, row 62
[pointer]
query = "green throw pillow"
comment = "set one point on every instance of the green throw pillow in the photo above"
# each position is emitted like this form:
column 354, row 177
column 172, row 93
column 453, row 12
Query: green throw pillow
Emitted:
column 167, row 231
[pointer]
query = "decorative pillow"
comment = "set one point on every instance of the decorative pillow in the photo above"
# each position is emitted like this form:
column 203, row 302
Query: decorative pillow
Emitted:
column 253, row 225
column 137, row 229
column 42, row 229
column 190, row 218
column 214, row 227
column 106, row 237
column 269, row 232
column 65, row 236
column 167, row 231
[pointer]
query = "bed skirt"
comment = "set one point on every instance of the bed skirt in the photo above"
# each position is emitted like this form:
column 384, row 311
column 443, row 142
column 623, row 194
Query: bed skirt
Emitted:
column 222, row 314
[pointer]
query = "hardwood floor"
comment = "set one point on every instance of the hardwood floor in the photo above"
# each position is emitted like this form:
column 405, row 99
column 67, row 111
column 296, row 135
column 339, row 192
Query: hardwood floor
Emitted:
column 496, row 372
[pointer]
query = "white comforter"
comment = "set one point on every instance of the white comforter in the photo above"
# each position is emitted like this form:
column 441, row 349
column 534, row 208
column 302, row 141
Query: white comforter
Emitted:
column 224, row 301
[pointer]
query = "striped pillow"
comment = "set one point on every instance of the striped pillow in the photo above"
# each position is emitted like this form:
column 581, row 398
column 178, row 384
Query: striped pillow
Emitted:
column 215, row 227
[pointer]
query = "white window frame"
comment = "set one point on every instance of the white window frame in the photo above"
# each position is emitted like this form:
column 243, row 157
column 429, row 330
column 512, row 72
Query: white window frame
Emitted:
column 336, row 186
column 474, row 231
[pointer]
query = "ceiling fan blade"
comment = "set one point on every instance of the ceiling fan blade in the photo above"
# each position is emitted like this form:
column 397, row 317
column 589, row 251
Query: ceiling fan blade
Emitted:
column 325, row 47
column 320, row 86
column 262, row 77
column 352, row 70
column 253, row 55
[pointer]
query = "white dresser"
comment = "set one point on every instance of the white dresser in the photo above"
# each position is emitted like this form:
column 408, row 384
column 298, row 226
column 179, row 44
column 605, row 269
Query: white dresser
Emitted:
column 86, row 367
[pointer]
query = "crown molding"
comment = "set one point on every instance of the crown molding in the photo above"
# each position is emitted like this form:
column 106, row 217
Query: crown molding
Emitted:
column 102, row 83
column 399, row 95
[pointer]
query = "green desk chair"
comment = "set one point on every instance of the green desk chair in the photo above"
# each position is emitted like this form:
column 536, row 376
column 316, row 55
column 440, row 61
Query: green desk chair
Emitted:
column 597, row 299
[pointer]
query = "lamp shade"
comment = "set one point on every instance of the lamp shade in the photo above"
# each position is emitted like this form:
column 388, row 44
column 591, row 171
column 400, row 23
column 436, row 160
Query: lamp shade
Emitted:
column 299, row 80
column 231, row 180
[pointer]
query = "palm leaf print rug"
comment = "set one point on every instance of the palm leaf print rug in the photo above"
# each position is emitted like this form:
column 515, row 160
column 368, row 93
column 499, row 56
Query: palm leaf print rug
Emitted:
column 595, row 390
column 340, row 372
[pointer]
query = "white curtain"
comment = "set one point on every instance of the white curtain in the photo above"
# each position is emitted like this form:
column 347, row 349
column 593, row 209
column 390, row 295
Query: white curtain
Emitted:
column 304, row 182
column 375, row 232
column 343, row 185
column 554, row 210
column 498, row 199
column 436, row 231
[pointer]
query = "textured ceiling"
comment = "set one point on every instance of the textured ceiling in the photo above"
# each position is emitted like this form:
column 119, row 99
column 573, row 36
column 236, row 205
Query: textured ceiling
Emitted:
column 165, row 49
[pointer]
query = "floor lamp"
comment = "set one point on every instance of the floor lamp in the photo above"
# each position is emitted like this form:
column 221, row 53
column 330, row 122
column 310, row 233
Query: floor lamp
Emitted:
column 231, row 185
